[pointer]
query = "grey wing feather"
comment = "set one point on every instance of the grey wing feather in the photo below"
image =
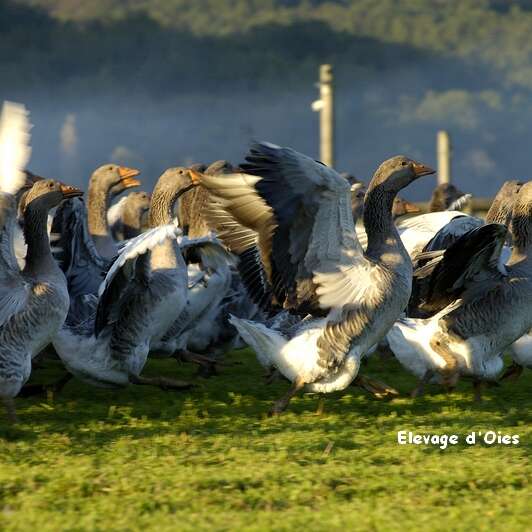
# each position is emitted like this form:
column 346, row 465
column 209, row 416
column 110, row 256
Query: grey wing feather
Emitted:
column 244, row 243
column 470, row 260
column 14, row 291
column 83, row 266
column 131, row 265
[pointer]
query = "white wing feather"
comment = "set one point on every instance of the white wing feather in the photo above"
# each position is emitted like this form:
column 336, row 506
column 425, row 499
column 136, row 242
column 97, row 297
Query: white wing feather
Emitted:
column 114, row 214
column 138, row 246
column 14, row 147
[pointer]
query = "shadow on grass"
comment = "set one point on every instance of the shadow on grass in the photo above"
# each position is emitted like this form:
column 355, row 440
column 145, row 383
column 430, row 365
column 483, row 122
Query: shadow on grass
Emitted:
column 237, row 401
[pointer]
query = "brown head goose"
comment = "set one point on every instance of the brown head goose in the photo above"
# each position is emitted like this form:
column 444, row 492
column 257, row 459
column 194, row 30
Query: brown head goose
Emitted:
column 138, row 300
column 106, row 181
column 34, row 301
column 312, row 260
column 447, row 197
column 128, row 217
column 489, row 306
column 82, row 241
column 194, row 202
column 500, row 212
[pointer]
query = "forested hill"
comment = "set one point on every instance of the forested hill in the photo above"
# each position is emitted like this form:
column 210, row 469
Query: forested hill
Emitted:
column 404, row 68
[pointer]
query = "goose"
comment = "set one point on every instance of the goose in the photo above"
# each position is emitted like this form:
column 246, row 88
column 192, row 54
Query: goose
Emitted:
column 83, row 244
column 105, row 182
column 144, row 289
column 127, row 218
column 500, row 213
column 33, row 301
column 446, row 197
column 233, row 296
column 301, row 211
column 488, row 305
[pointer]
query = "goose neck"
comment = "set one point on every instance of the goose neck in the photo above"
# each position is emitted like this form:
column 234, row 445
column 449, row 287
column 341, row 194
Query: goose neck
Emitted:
column 378, row 221
column 38, row 256
column 98, row 203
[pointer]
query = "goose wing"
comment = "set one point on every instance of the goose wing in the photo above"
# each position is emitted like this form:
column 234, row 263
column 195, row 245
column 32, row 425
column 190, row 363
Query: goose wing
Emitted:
column 114, row 215
column 301, row 212
column 14, row 290
column 128, row 270
column 75, row 251
column 473, row 260
column 14, row 155
column 244, row 243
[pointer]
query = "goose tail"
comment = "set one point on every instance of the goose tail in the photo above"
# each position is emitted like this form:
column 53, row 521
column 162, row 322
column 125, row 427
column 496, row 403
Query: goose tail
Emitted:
column 266, row 343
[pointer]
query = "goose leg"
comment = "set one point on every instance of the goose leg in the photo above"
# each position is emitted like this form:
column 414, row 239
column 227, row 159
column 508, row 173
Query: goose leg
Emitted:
column 29, row 390
column 477, row 387
column 160, row 382
column 9, row 403
column 281, row 404
column 419, row 390
column 272, row 376
column 377, row 388
column 513, row 372
column 207, row 365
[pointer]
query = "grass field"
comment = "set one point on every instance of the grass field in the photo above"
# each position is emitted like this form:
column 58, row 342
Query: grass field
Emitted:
column 142, row 458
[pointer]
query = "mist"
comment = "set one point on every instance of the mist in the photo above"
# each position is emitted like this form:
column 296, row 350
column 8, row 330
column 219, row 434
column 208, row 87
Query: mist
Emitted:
column 152, row 98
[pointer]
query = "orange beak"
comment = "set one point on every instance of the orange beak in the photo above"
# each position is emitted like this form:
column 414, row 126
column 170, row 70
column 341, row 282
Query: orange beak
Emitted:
column 420, row 169
column 127, row 176
column 70, row 192
column 195, row 177
column 410, row 208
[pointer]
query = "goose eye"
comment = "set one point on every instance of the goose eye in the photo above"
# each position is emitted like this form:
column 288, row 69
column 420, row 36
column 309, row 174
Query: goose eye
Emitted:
column 404, row 163
column 50, row 185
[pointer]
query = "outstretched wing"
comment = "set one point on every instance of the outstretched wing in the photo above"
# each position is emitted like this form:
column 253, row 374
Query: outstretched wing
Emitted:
column 14, row 155
column 129, row 266
column 15, row 147
column 472, row 260
column 244, row 243
column 75, row 251
column 301, row 212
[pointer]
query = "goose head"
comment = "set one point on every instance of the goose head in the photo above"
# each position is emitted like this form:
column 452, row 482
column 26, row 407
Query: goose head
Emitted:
column 444, row 196
column 48, row 193
column 219, row 167
column 177, row 181
column 397, row 173
column 172, row 184
column 502, row 205
column 139, row 202
column 114, row 179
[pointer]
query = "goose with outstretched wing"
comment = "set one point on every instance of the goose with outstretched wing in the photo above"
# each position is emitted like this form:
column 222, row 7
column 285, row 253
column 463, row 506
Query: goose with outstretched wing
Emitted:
column 142, row 293
column 486, row 305
column 301, row 212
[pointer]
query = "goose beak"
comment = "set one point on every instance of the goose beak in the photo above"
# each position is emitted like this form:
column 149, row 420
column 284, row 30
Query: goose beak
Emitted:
column 420, row 169
column 410, row 208
column 195, row 177
column 127, row 176
column 70, row 192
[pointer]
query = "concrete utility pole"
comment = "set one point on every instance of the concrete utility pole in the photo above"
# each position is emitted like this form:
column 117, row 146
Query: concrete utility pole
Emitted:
column 444, row 157
column 325, row 106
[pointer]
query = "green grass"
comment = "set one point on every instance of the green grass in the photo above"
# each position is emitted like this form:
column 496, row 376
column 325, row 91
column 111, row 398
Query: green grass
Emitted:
column 141, row 458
